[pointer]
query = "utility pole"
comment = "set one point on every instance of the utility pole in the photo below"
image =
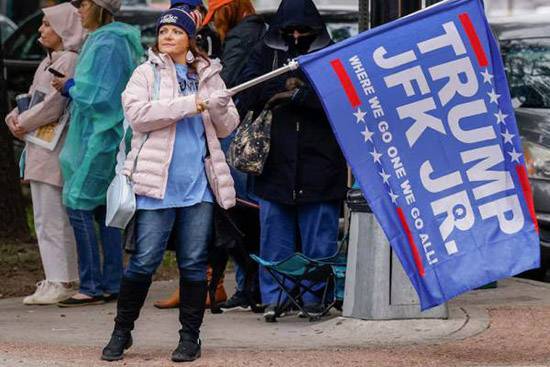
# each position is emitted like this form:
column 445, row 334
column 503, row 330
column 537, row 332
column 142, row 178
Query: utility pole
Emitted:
column 364, row 15
column 373, row 13
column 389, row 294
column 383, row 11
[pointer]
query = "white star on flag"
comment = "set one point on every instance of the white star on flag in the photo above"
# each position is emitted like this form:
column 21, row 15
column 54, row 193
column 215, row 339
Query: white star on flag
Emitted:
column 507, row 137
column 514, row 155
column 360, row 115
column 493, row 96
column 384, row 176
column 367, row 134
column 500, row 117
column 487, row 77
column 375, row 155
column 393, row 196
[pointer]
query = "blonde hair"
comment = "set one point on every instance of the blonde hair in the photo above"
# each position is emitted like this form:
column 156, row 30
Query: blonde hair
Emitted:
column 100, row 15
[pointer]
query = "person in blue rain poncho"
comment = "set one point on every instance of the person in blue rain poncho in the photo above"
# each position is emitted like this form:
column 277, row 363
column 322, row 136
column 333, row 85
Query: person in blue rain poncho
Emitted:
column 107, row 60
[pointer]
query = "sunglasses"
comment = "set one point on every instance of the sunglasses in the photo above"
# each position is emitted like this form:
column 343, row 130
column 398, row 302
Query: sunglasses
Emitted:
column 302, row 30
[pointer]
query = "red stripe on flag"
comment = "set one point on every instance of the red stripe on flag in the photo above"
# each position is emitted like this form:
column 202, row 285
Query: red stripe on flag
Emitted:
column 412, row 245
column 527, row 193
column 474, row 39
column 353, row 97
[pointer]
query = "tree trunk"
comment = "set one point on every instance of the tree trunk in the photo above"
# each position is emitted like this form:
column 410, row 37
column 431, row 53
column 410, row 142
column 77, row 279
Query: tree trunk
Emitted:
column 13, row 219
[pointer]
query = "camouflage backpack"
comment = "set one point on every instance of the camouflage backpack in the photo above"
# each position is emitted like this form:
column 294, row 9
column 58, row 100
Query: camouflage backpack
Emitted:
column 249, row 149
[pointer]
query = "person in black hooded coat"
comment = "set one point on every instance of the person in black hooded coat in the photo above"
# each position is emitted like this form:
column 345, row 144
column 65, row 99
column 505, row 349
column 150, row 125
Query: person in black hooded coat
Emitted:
column 304, row 177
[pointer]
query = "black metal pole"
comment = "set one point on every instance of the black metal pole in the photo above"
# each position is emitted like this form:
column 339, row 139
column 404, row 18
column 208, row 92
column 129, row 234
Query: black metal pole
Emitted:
column 383, row 11
column 364, row 15
column 431, row 2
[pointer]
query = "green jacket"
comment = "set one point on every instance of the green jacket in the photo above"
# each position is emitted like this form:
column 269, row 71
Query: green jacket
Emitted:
column 106, row 62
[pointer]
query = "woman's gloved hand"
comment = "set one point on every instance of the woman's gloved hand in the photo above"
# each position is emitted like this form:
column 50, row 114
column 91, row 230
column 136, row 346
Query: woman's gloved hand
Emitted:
column 219, row 100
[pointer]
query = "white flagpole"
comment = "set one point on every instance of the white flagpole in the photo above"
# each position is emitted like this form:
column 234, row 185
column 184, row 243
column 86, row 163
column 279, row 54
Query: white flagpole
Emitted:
column 292, row 65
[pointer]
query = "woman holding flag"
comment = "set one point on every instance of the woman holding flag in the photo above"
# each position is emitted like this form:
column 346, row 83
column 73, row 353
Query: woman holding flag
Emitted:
column 179, row 171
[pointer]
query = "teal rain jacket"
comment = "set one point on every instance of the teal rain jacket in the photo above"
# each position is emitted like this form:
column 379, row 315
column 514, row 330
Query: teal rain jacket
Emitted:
column 106, row 62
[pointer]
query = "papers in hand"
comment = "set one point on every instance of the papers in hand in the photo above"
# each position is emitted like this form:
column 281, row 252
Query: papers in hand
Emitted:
column 46, row 136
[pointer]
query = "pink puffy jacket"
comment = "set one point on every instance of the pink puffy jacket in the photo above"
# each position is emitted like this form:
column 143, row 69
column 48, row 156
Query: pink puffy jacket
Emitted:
column 159, row 117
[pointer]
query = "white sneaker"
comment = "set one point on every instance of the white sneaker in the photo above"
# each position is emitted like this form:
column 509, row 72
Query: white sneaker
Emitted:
column 40, row 289
column 50, row 293
column 57, row 292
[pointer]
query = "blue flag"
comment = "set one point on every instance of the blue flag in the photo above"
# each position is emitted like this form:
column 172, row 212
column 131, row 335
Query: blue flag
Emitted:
column 422, row 112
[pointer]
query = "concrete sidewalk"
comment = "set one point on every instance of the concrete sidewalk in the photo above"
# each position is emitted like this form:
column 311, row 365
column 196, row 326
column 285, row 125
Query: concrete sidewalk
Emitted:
column 89, row 327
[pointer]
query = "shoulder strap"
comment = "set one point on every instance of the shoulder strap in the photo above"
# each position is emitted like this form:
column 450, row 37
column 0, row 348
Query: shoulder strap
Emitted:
column 156, row 83
column 156, row 94
column 275, row 60
column 121, row 156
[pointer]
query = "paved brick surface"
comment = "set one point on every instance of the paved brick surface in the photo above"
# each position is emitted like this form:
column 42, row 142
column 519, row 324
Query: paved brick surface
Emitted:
column 507, row 326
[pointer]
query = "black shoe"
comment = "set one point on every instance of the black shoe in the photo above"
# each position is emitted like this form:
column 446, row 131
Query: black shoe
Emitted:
column 76, row 302
column 314, row 310
column 187, row 350
column 236, row 302
column 270, row 313
column 110, row 297
column 120, row 341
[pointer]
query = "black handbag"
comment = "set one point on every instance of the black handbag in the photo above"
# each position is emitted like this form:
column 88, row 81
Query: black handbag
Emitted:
column 249, row 149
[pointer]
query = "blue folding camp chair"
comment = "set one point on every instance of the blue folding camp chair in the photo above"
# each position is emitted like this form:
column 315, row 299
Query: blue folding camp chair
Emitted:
column 299, row 274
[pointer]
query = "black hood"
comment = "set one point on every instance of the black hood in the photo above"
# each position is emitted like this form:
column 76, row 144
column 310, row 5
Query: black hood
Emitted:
column 297, row 12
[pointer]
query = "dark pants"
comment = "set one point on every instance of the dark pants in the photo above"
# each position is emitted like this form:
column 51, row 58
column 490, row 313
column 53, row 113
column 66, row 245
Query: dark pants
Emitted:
column 317, row 224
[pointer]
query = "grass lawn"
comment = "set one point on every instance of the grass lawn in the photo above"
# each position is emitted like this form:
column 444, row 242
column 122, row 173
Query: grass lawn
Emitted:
column 21, row 268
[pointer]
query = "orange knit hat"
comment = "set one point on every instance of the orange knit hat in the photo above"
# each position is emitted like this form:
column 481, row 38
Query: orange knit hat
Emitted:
column 214, row 5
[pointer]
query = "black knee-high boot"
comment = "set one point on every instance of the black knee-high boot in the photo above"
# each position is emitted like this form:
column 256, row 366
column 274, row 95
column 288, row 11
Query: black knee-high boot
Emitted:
column 130, row 301
column 192, row 304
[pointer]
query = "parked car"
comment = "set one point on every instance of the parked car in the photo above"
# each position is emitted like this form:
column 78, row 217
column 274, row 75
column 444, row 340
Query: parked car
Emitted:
column 525, row 48
column 7, row 27
column 23, row 53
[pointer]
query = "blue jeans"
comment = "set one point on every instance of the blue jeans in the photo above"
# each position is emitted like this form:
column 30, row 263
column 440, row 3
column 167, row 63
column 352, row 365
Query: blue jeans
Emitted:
column 317, row 224
column 193, row 228
column 94, row 278
column 240, row 277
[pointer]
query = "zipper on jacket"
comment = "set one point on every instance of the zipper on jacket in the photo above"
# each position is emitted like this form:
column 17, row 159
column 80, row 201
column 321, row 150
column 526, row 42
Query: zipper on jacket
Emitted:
column 294, row 196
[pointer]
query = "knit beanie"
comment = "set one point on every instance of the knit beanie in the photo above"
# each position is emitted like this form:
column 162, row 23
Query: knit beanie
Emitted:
column 181, row 17
column 191, row 3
